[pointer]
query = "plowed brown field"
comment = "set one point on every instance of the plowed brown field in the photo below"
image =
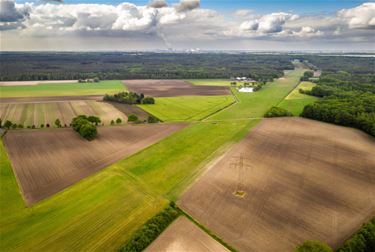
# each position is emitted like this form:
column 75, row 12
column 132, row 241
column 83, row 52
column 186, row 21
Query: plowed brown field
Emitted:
column 184, row 236
column 47, row 161
column 289, row 180
column 167, row 88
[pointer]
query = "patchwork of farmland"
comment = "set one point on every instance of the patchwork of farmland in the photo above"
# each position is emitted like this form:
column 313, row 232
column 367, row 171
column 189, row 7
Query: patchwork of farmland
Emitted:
column 187, row 108
column 47, row 161
column 184, row 236
column 36, row 114
column 168, row 88
column 291, row 179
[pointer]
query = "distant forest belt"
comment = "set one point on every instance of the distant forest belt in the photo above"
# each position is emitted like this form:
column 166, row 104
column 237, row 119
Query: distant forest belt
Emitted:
column 50, row 98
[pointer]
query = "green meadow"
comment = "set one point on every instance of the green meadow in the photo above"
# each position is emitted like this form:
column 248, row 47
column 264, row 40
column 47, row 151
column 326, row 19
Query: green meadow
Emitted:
column 187, row 108
column 210, row 82
column 254, row 105
column 102, row 211
column 65, row 89
column 295, row 101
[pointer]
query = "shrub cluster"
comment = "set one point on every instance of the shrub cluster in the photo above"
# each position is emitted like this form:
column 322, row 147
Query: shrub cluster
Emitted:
column 86, row 126
column 313, row 246
column 363, row 240
column 129, row 98
column 277, row 112
column 151, row 230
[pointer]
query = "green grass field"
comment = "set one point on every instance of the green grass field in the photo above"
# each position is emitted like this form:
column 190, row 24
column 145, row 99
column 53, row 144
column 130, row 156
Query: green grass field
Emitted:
column 102, row 211
column 295, row 101
column 66, row 89
column 254, row 105
column 187, row 108
column 210, row 82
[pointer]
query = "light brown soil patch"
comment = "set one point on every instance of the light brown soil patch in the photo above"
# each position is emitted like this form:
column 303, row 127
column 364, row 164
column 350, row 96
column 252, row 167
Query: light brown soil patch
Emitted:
column 47, row 161
column 129, row 110
column 50, row 98
column 167, row 88
column 184, row 236
column 303, row 179
column 33, row 83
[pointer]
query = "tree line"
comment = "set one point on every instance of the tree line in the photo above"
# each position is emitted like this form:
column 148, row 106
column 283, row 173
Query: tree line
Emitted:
column 151, row 230
column 129, row 98
column 347, row 99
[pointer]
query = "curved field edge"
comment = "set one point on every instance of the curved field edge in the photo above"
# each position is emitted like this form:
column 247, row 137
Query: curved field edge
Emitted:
column 103, row 210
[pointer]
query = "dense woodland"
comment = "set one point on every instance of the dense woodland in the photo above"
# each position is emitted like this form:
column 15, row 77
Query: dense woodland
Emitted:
column 122, row 65
column 348, row 100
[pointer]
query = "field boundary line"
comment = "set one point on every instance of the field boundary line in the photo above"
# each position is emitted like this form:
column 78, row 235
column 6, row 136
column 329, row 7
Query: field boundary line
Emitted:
column 207, row 231
column 236, row 100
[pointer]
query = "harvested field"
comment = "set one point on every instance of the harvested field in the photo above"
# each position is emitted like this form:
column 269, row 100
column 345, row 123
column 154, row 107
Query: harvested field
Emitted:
column 50, row 99
column 47, row 161
column 289, row 180
column 131, row 109
column 184, row 236
column 33, row 83
column 29, row 114
column 167, row 88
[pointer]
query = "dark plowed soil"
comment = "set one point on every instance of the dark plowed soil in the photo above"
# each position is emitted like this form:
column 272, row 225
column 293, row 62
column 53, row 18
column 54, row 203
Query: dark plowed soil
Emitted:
column 289, row 180
column 47, row 161
column 168, row 88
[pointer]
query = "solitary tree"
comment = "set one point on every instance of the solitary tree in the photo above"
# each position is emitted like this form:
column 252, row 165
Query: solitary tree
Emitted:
column 112, row 122
column 8, row 124
column 118, row 120
column 58, row 123
column 132, row 118
column 14, row 125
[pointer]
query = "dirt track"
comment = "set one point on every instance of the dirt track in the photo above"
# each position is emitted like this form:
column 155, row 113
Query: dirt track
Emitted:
column 50, row 98
column 47, row 161
column 168, row 88
column 302, row 180
column 184, row 236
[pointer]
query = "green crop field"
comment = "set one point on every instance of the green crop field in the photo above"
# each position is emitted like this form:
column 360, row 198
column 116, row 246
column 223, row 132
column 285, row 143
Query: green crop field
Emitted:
column 102, row 211
column 66, row 89
column 187, row 108
column 254, row 105
column 295, row 101
column 210, row 82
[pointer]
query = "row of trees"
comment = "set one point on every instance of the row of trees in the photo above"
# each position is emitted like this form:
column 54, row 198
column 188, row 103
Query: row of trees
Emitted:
column 344, row 103
column 86, row 126
column 150, row 230
column 363, row 240
column 10, row 125
column 277, row 112
column 129, row 98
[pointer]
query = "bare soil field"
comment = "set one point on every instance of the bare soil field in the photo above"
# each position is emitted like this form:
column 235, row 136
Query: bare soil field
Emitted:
column 289, row 180
column 47, row 161
column 29, row 114
column 50, row 99
column 184, row 236
column 33, row 83
column 168, row 88
column 131, row 109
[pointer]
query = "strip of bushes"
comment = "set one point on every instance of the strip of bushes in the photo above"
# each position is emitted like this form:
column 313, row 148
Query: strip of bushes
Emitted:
column 362, row 241
column 277, row 112
column 129, row 98
column 151, row 230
